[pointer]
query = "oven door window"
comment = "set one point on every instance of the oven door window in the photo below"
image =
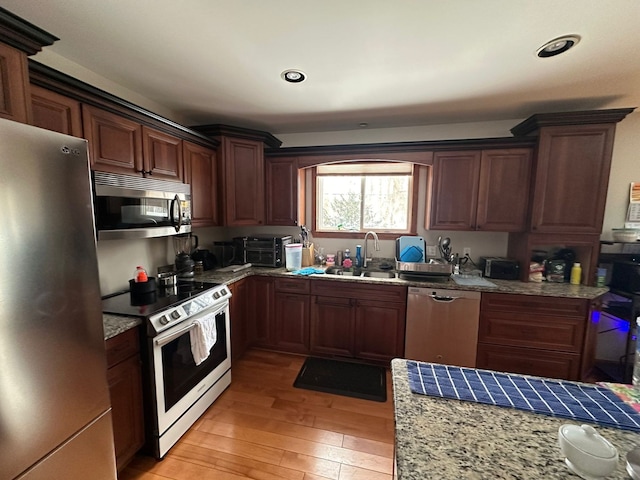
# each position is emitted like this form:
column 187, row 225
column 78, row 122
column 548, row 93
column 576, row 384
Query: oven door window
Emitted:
column 180, row 372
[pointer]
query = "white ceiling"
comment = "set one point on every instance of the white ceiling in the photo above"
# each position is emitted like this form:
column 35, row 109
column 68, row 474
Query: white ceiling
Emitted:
column 386, row 63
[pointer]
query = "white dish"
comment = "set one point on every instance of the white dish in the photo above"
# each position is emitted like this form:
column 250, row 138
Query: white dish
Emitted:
column 588, row 454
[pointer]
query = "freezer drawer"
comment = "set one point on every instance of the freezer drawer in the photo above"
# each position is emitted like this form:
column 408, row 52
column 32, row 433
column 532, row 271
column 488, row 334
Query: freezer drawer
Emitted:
column 442, row 326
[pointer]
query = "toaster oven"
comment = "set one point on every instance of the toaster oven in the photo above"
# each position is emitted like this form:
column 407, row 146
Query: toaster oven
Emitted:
column 264, row 250
column 500, row 268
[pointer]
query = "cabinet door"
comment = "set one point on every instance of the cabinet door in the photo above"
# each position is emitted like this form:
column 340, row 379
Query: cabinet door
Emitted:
column 115, row 143
column 332, row 326
column 529, row 361
column 379, row 333
column 55, row 112
column 571, row 180
column 125, row 387
column 282, row 191
column 503, row 194
column 291, row 331
column 242, row 182
column 454, row 195
column 201, row 173
column 262, row 299
column 162, row 155
column 14, row 85
column 239, row 317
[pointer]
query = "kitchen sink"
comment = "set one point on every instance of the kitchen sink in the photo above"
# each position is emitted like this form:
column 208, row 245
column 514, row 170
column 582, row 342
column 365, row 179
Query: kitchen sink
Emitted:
column 358, row 273
column 378, row 274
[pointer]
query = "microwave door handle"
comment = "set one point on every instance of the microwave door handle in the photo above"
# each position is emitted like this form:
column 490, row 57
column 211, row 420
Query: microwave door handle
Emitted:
column 176, row 222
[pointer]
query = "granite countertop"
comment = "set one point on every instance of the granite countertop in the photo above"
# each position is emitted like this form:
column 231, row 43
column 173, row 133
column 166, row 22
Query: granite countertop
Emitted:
column 114, row 324
column 445, row 439
column 545, row 289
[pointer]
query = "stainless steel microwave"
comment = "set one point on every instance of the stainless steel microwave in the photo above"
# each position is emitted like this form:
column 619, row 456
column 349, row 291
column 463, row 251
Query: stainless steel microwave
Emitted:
column 135, row 207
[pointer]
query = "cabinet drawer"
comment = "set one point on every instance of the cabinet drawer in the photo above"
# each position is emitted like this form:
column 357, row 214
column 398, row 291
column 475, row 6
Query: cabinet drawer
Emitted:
column 535, row 305
column 292, row 285
column 365, row 291
column 122, row 346
column 529, row 361
column 540, row 331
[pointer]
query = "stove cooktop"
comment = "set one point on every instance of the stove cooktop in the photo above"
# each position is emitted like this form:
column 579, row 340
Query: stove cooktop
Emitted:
column 144, row 306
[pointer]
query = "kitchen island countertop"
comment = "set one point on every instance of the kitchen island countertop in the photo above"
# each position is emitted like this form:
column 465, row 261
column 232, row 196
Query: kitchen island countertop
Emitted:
column 446, row 439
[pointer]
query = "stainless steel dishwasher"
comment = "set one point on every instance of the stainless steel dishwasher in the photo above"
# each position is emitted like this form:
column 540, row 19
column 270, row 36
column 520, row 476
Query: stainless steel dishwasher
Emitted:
column 442, row 326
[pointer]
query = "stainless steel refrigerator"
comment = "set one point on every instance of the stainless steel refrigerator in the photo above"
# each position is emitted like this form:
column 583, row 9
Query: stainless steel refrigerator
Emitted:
column 55, row 414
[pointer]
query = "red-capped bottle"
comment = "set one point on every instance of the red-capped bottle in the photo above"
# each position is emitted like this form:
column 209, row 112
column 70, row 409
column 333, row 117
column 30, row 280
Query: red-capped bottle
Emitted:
column 140, row 275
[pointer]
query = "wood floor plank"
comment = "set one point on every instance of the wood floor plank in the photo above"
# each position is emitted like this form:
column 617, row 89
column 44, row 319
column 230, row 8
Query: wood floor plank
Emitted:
column 271, row 425
column 270, row 413
column 284, row 392
column 177, row 469
column 242, row 466
column 338, row 416
column 313, row 465
column 349, row 472
column 233, row 446
column 359, row 444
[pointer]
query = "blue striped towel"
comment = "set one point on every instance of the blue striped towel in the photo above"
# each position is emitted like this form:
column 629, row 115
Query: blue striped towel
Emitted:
column 556, row 398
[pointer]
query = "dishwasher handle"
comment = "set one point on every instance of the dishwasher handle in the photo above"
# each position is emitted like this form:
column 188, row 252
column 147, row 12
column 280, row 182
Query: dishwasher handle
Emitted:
column 442, row 298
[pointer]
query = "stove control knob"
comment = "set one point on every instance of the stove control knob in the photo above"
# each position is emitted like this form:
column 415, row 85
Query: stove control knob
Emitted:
column 223, row 291
column 175, row 314
column 216, row 295
column 163, row 320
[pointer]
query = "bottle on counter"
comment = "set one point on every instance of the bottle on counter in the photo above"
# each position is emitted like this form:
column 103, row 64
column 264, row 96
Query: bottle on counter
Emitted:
column 347, row 254
column 339, row 257
column 358, row 259
column 140, row 275
column 576, row 274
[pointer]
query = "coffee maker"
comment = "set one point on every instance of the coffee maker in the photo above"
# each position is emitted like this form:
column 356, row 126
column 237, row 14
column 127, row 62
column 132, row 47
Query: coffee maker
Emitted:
column 184, row 245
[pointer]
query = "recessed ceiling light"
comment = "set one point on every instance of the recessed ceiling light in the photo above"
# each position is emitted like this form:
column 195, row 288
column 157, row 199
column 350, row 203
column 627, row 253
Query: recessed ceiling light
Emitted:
column 363, row 124
column 293, row 76
column 557, row 46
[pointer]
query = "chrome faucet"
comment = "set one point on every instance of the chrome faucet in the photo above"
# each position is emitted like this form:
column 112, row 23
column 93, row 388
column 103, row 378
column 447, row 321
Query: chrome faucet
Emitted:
column 375, row 245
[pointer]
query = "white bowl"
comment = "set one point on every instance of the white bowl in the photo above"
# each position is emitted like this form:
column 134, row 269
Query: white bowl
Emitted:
column 625, row 234
column 588, row 454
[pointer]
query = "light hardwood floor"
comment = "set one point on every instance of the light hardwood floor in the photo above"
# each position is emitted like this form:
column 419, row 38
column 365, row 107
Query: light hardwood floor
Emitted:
column 263, row 428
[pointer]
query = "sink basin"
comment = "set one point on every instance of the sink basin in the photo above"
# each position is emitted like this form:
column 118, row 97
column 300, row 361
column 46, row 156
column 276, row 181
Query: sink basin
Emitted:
column 357, row 273
column 379, row 274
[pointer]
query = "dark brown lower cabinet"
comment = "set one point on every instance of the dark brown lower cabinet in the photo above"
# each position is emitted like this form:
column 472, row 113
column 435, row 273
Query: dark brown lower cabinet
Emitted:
column 358, row 321
column 292, row 322
column 125, row 387
column 534, row 335
column 239, row 317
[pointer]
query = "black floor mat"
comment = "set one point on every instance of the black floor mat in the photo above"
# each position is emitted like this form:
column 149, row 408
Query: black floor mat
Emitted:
column 343, row 378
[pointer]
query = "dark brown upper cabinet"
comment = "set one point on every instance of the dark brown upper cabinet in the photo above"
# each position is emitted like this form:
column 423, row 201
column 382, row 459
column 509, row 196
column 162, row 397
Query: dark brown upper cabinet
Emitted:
column 572, row 177
column 56, row 112
column 201, row 173
column 284, row 185
column 162, row 155
column 115, row 142
column 481, row 190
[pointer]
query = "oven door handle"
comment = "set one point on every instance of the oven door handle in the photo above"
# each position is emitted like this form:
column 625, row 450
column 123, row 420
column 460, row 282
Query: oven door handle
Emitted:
column 163, row 341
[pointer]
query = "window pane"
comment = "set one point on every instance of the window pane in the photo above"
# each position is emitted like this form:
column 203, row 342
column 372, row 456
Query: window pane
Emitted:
column 339, row 202
column 386, row 203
